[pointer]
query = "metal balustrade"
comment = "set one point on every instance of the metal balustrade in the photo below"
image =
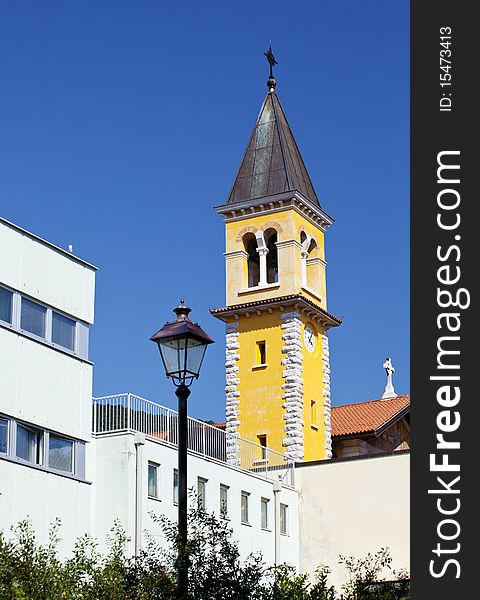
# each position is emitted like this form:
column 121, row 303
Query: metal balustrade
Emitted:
column 130, row 413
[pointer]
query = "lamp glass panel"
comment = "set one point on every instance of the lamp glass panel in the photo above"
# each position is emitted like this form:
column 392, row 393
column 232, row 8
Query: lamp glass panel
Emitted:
column 195, row 353
column 173, row 354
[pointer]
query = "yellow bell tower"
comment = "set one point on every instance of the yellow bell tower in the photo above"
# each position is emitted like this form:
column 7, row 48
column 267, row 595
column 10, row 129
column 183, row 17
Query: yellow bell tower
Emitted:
column 277, row 357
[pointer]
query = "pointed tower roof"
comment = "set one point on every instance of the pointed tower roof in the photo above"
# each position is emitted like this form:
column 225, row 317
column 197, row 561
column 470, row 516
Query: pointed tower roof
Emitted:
column 272, row 162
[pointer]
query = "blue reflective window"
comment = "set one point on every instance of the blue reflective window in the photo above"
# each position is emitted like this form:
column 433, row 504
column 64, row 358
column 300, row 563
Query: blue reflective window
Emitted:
column 63, row 331
column 33, row 317
column 60, row 453
column 5, row 305
column 3, row 435
column 152, row 480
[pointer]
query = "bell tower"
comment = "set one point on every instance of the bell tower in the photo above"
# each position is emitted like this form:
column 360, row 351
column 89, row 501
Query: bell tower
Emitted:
column 277, row 357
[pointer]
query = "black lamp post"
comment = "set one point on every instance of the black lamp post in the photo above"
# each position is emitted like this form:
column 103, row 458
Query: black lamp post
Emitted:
column 182, row 346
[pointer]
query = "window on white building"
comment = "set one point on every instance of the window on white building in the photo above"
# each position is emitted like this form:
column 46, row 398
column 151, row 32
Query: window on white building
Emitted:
column 5, row 305
column 175, row 486
column 47, row 450
column 264, row 506
column 63, row 331
column 36, row 320
column 202, row 493
column 29, row 444
column 33, row 317
column 153, row 470
column 224, row 501
column 60, row 453
column 3, row 435
column 244, row 507
column 283, row 519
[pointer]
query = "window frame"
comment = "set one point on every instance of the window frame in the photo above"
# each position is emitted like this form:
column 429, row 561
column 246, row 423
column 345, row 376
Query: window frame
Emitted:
column 153, row 465
column 265, row 502
column 49, row 435
column 39, row 445
column 244, row 513
column 80, row 332
column 283, row 522
column 7, row 440
column 75, row 332
column 224, row 509
column 12, row 306
column 46, row 327
column 260, row 353
column 202, row 499
column 262, row 442
column 175, row 488
column 313, row 415
column 42, row 449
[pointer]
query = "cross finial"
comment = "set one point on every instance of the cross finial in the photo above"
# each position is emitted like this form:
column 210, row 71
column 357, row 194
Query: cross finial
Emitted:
column 271, row 83
column 389, row 389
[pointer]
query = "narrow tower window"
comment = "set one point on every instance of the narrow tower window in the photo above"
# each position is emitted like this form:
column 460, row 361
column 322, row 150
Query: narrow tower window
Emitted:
column 311, row 268
column 253, row 259
column 262, row 440
column 272, row 256
column 261, row 353
column 313, row 412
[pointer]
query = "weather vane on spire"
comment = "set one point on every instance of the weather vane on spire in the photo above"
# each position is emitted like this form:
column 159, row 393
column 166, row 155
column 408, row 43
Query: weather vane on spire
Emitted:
column 271, row 83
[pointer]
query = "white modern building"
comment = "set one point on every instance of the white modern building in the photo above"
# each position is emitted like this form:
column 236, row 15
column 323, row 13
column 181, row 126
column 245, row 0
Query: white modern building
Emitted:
column 47, row 458
column 88, row 463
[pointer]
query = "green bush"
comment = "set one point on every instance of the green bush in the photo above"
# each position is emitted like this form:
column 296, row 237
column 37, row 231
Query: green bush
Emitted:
column 30, row 571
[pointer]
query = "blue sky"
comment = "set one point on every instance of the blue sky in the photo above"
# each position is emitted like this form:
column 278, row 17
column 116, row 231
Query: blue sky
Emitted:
column 123, row 123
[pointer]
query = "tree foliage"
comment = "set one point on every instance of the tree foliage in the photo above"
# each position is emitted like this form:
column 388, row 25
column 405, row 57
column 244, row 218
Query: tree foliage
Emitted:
column 31, row 571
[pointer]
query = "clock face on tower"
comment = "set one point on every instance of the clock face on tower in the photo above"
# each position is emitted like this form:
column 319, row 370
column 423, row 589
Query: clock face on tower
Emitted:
column 309, row 338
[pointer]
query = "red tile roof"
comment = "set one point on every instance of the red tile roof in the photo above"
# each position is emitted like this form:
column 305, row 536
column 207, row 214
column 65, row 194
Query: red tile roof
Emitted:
column 366, row 417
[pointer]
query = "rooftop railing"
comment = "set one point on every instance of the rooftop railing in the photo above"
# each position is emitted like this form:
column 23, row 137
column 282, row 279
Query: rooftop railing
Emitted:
column 130, row 413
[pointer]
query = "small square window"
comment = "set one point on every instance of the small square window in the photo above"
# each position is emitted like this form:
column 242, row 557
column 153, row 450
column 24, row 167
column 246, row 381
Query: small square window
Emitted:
column 283, row 519
column 29, row 444
column 63, row 331
column 202, row 493
column 5, row 305
column 244, row 507
column 33, row 317
column 175, row 486
column 265, row 519
column 3, row 436
column 60, row 453
column 152, row 480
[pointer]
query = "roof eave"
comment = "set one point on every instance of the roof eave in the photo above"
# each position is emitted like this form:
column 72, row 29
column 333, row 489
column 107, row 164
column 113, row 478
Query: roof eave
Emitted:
column 374, row 432
column 238, row 209
column 329, row 319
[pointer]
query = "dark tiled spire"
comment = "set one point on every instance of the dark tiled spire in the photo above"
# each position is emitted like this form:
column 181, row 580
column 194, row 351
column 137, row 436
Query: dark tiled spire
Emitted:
column 272, row 162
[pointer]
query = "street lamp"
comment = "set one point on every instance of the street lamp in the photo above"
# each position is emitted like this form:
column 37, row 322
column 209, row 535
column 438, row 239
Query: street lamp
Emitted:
column 182, row 346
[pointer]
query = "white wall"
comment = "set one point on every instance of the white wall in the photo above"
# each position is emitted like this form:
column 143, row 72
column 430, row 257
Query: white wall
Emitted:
column 353, row 507
column 43, row 497
column 45, row 387
column 39, row 269
column 114, row 491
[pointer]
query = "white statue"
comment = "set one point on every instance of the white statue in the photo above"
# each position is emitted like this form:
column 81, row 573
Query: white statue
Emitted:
column 389, row 389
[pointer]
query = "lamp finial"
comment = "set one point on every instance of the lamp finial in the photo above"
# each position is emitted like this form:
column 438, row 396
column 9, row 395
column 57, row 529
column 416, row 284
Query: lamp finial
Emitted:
column 182, row 311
